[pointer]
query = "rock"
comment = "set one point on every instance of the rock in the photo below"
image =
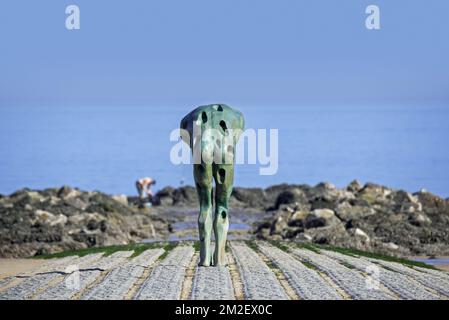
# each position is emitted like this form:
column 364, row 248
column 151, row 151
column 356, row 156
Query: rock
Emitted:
column 254, row 198
column 419, row 219
column 56, row 219
column 272, row 193
column 432, row 204
column 165, row 193
column 169, row 196
column 372, row 217
column 53, row 220
column 299, row 215
column 324, row 191
column 326, row 214
column 185, row 195
column 392, row 246
column 320, row 218
column 335, row 234
column 313, row 221
column 44, row 216
column 77, row 219
column 166, row 201
column 11, row 205
column 249, row 197
column 286, row 208
column 294, row 196
column 73, row 202
column 359, row 233
column 297, row 218
column 374, row 194
column 326, row 196
column 60, row 219
column 279, row 224
column 354, row 186
column 123, row 199
column 66, row 192
column 290, row 232
column 304, row 237
column 346, row 211
column 405, row 202
column 326, row 186
column 53, row 201
column 93, row 221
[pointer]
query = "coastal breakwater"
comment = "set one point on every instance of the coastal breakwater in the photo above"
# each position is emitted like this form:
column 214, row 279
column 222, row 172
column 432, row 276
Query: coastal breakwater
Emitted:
column 368, row 217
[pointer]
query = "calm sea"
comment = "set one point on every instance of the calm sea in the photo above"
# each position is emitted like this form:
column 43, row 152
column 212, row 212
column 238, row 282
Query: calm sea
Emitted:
column 107, row 149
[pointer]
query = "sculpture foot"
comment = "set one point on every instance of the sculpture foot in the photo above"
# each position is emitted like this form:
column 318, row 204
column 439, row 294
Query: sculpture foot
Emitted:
column 206, row 263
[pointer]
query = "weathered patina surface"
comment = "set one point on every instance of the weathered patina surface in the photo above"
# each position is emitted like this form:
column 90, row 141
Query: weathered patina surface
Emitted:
column 212, row 131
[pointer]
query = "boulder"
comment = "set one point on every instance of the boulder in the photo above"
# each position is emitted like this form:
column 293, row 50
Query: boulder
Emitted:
column 391, row 246
column 372, row 217
column 335, row 235
column 374, row 194
column 326, row 214
column 354, row 186
column 432, row 204
column 419, row 219
column 67, row 192
column 278, row 226
column 313, row 221
column 169, row 196
column 327, row 196
column 359, row 233
column 60, row 219
column 273, row 192
column 53, row 220
column 249, row 197
column 44, row 216
column 72, row 202
column 304, row 237
column 123, row 199
column 346, row 211
column 294, row 196
column 185, row 195
column 321, row 217
column 405, row 202
column 297, row 218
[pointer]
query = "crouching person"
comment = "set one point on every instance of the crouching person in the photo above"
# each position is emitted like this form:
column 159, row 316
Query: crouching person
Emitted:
column 143, row 187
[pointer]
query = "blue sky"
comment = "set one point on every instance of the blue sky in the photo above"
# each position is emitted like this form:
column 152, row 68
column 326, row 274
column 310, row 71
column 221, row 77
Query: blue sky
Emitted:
column 144, row 52
column 94, row 107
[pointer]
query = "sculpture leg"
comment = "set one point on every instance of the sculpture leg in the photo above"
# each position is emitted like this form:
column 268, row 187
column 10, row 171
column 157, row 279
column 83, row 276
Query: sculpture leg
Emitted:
column 202, row 174
column 224, row 179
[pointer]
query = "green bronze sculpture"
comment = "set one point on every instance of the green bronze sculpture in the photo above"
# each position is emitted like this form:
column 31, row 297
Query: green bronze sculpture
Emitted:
column 212, row 132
